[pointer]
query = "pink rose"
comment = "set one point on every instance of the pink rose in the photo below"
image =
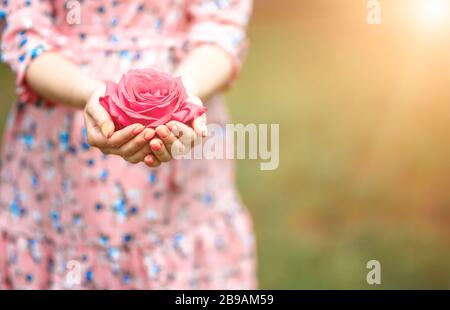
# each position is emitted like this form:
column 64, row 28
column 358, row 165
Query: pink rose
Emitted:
column 150, row 98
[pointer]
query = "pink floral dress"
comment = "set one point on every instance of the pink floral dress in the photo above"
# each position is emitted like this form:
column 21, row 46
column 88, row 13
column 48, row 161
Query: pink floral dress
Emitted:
column 67, row 210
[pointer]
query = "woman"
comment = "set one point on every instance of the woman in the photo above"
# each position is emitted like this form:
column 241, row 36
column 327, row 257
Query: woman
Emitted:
column 79, row 208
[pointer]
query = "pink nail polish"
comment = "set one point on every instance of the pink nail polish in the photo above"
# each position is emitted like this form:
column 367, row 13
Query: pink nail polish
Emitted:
column 149, row 159
column 149, row 135
column 156, row 146
column 163, row 133
column 171, row 126
column 138, row 129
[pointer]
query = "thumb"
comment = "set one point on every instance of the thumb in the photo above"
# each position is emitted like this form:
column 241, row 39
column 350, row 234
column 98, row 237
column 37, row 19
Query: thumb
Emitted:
column 101, row 118
column 199, row 126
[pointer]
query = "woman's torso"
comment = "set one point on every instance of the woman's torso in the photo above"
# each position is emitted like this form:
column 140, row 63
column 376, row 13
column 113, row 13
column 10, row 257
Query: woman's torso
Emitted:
column 55, row 186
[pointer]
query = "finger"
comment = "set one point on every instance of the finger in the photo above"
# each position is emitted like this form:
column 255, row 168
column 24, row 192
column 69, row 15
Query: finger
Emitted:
column 199, row 125
column 159, row 150
column 121, row 137
column 149, row 134
column 94, row 135
column 134, row 145
column 101, row 119
column 139, row 155
column 151, row 161
column 124, row 142
column 171, row 142
column 184, row 133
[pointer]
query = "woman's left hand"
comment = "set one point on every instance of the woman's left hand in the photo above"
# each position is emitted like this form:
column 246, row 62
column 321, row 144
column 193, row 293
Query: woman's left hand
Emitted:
column 175, row 138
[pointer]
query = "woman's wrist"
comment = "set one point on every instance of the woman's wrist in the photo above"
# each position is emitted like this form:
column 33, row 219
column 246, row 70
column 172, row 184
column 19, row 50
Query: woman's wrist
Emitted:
column 189, row 84
column 88, row 87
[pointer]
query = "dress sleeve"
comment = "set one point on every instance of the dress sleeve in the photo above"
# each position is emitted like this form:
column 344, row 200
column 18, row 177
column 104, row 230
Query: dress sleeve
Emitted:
column 222, row 23
column 26, row 28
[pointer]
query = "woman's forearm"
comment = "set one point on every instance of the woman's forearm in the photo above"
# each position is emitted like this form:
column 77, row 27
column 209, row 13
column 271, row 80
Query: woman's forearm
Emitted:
column 58, row 80
column 205, row 70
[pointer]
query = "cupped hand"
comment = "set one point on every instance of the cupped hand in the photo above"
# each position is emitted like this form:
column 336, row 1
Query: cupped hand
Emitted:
column 131, row 142
column 175, row 138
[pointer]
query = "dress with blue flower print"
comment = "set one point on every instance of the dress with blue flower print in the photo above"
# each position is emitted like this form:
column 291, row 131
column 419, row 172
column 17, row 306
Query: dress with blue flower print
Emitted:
column 71, row 217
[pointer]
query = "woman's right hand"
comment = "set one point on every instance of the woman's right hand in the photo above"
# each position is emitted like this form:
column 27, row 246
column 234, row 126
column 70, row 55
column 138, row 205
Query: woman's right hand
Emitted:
column 131, row 142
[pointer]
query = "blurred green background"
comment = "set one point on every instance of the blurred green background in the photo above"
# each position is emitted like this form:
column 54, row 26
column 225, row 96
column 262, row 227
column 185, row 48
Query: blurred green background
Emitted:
column 364, row 114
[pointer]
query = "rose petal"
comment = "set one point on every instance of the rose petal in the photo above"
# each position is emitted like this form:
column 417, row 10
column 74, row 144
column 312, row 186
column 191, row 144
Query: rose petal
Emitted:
column 150, row 98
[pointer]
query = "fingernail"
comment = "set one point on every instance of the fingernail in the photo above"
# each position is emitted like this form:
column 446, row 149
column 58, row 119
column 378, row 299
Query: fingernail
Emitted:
column 149, row 134
column 174, row 130
column 107, row 129
column 156, row 146
column 149, row 159
column 163, row 132
column 138, row 129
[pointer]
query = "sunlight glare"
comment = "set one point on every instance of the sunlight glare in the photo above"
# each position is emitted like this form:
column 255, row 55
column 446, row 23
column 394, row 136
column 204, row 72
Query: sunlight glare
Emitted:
column 435, row 12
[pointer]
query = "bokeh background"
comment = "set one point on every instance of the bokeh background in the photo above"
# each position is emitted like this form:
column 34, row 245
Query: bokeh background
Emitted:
column 364, row 114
